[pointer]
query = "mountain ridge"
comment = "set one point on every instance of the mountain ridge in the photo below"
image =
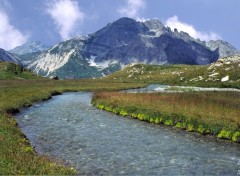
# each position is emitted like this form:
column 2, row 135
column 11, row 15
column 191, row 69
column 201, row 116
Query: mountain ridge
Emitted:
column 29, row 47
column 5, row 56
column 122, row 42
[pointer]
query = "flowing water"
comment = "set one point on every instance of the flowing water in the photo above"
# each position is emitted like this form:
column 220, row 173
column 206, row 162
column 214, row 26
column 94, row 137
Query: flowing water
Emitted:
column 154, row 88
column 96, row 142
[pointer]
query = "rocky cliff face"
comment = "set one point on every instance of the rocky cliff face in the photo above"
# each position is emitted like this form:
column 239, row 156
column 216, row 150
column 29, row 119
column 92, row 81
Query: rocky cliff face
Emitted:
column 68, row 60
column 9, row 57
column 224, row 48
column 150, row 42
column 122, row 42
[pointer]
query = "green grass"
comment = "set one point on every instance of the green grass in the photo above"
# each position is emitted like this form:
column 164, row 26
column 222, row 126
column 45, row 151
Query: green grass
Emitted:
column 17, row 157
column 188, row 75
column 217, row 113
column 11, row 71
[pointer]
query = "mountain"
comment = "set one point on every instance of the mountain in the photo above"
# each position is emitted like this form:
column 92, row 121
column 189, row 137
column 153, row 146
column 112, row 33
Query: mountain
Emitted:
column 9, row 57
column 122, row 42
column 130, row 41
column 225, row 49
column 29, row 47
column 68, row 60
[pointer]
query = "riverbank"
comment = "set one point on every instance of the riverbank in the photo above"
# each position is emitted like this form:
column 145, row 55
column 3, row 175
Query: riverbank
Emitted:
column 17, row 156
column 100, row 143
column 215, row 113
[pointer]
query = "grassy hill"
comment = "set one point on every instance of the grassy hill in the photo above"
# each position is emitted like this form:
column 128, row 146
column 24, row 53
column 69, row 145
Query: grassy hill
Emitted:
column 224, row 73
column 12, row 71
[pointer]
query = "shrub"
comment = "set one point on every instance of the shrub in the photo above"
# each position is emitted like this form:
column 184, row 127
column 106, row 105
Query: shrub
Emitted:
column 178, row 125
column 116, row 111
column 134, row 115
column 151, row 120
column 168, row 122
column 140, row 116
column 146, row 117
column 123, row 113
column 201, row 129
column 109, row 109
column 190, row 127
column 236, row 137
column 100, row 106
column 181, row 125
column 225, row 134
column 157, row 121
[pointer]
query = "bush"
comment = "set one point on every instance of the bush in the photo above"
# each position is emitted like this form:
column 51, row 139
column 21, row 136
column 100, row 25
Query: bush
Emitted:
column 202, row 130
column 168, row 122
column 190, row 127
column 134, row 115
column 140, row 116
column 236, row 137
column 157, row 121
column 123, row 113
column 100, row 106
column 151, row 120
column 116, row 111
column 225, row 134
column 109, row 109
column 181, row 125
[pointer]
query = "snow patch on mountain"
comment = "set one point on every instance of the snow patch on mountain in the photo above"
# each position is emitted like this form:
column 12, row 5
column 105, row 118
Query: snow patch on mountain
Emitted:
column 101, row 65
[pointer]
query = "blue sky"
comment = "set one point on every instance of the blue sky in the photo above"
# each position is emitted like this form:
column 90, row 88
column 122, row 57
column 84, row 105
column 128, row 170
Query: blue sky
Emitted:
column 51, row 21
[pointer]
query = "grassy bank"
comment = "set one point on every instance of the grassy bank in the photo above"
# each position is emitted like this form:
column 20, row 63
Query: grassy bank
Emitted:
column 186, row 75
column 17, row 157
column 216, row 113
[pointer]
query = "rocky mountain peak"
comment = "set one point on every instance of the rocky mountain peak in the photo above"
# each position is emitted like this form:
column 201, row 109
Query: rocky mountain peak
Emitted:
column 29, row 47
column 154, row 24
column 224, row 48
column 123, row 25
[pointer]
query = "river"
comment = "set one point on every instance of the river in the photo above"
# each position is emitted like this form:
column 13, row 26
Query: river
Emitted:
column 95, row 142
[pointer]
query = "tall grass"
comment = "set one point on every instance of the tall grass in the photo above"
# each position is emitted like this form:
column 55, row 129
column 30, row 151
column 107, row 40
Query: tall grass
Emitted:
column 204, row 112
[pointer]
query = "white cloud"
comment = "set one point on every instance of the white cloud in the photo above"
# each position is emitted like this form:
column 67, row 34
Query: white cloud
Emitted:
column 66, row 15
column 132, row 8
column 10, row 37
column 174, row 22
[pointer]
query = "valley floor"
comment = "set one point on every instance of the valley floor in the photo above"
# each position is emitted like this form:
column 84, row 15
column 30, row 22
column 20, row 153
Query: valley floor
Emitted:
column 207, row 113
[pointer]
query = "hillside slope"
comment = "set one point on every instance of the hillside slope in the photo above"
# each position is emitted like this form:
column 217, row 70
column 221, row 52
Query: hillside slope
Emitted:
column 223, row 73
column 9, row 57
column 12, row 71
